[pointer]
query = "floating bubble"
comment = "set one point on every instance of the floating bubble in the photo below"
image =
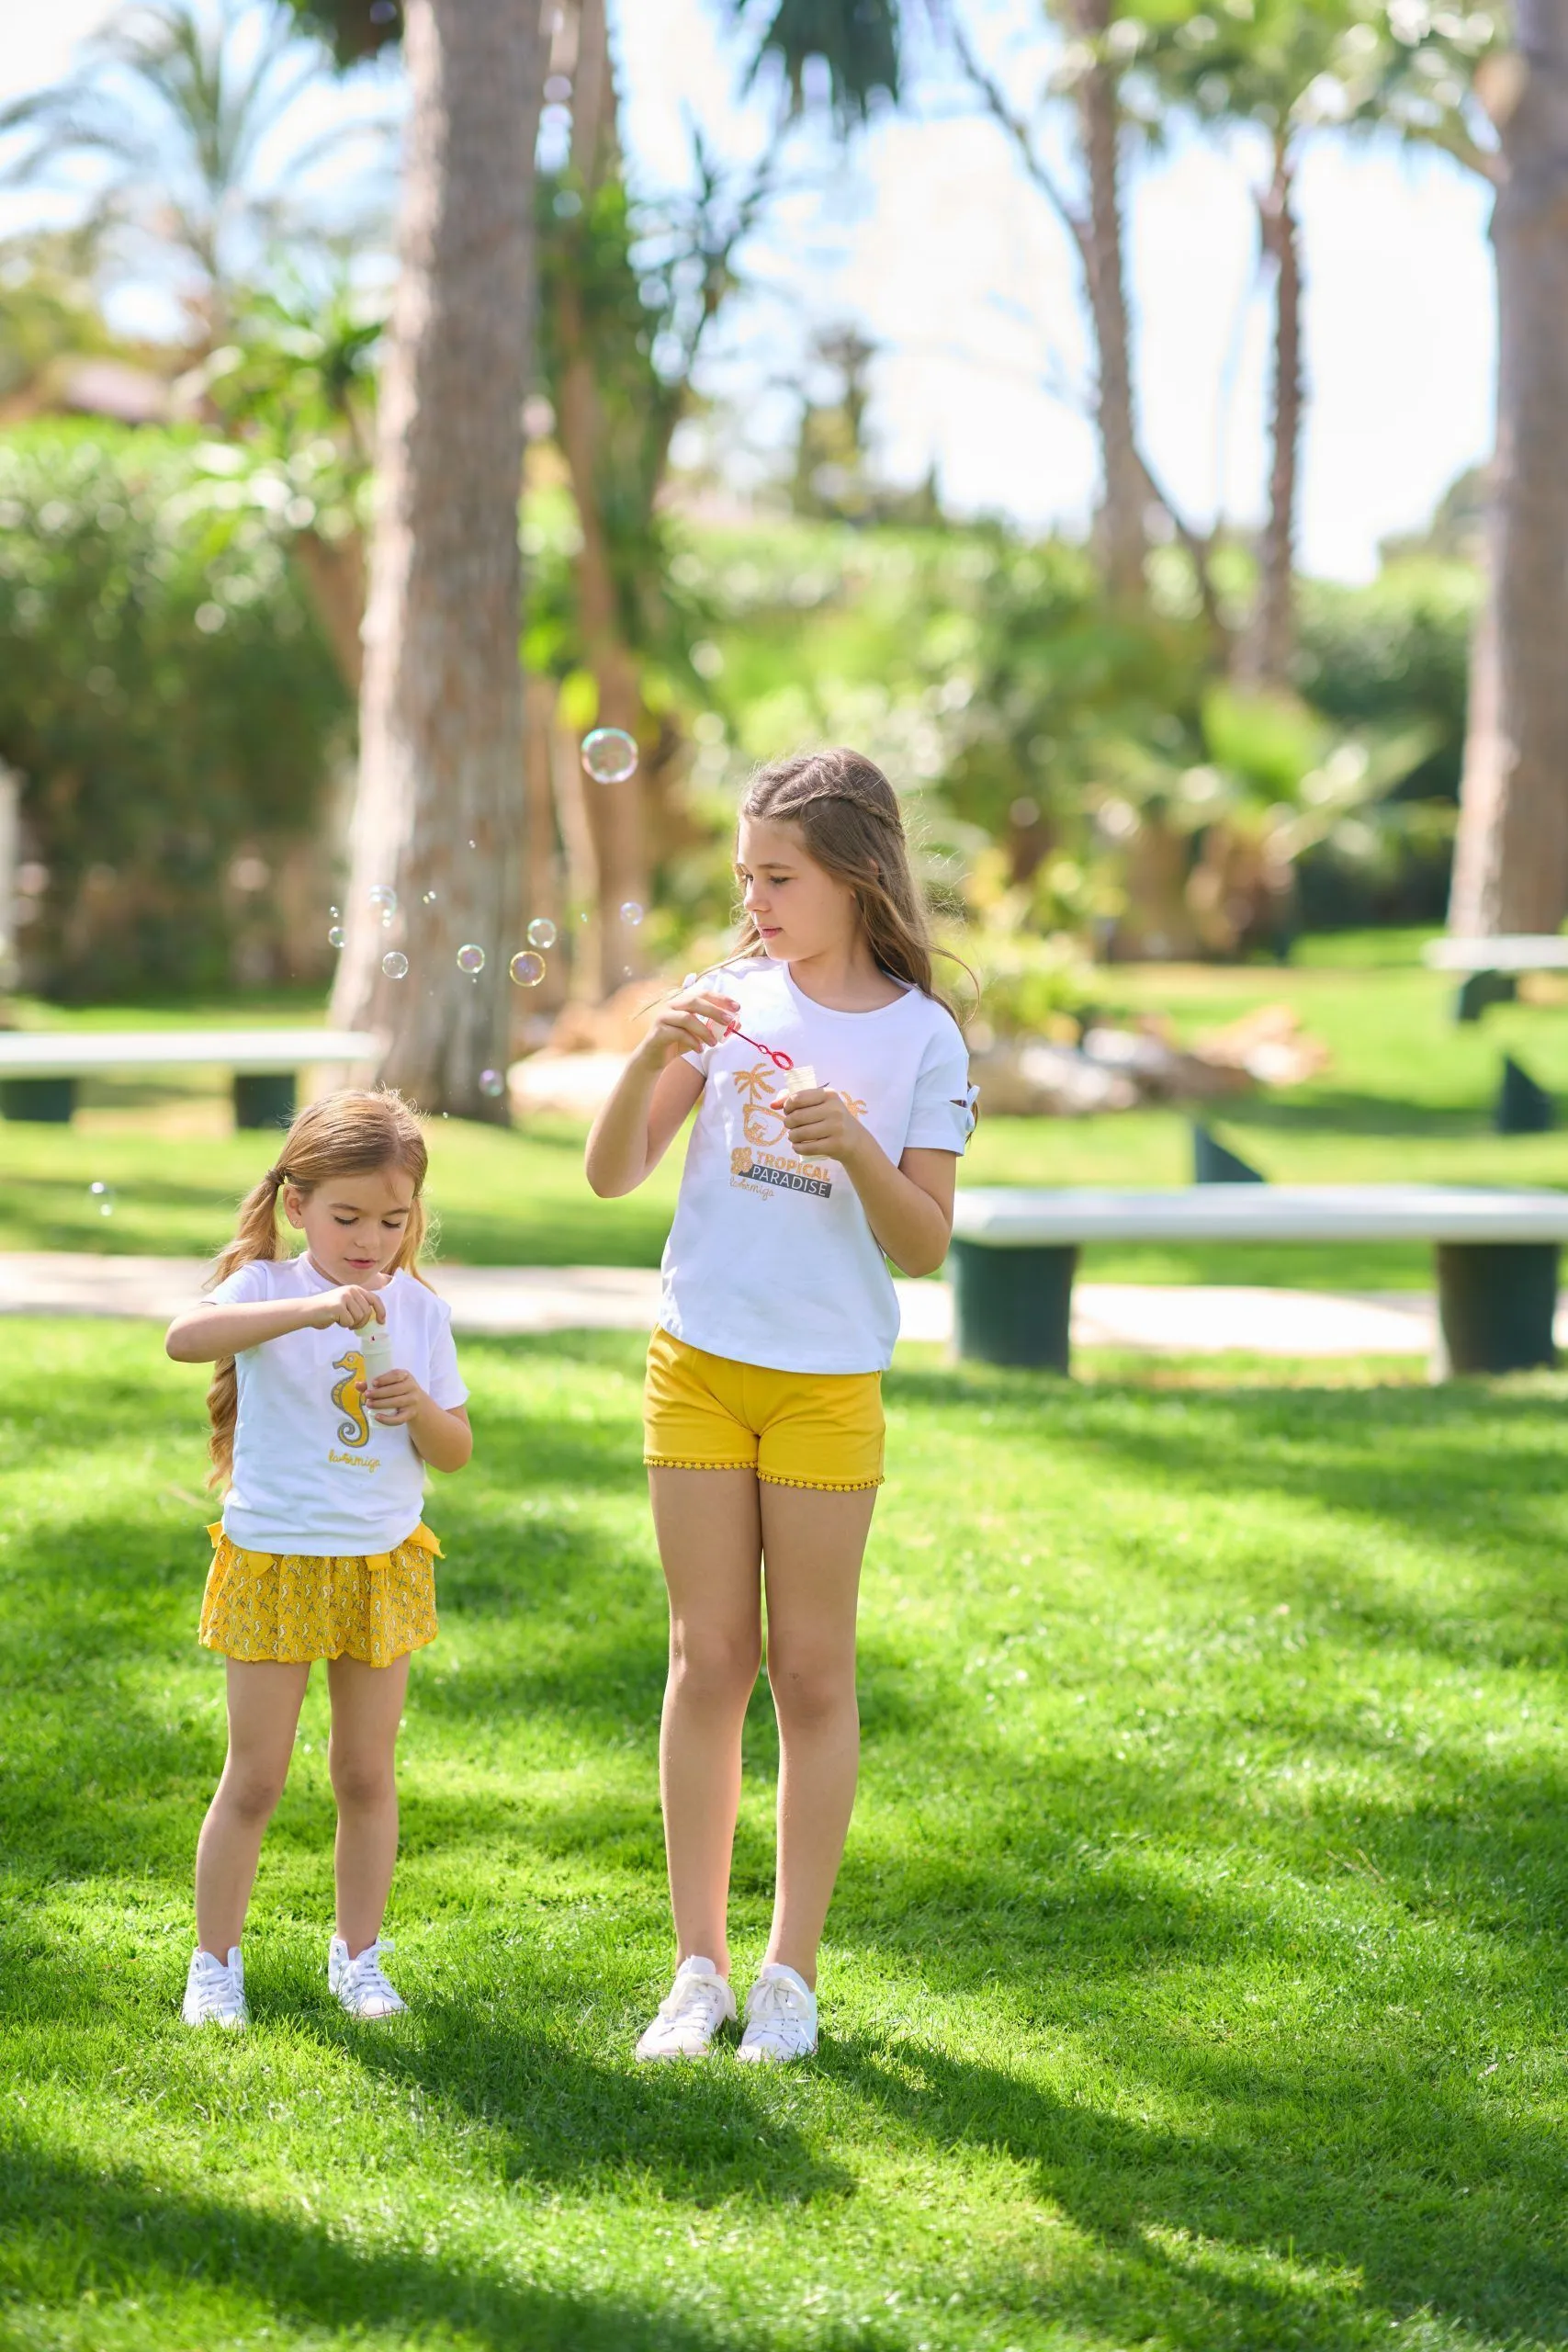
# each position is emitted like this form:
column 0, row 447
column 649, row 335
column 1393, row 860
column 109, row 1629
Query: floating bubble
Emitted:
column 527, row 969
column 491, row 1083
column 471, row 959
column 103, row 1198
column 395, row 966
column 541, row 931
column 334, row 912
column 384, row 898
column 631, row 913
column 609, row 755
column 427, row 897
column 336, row 936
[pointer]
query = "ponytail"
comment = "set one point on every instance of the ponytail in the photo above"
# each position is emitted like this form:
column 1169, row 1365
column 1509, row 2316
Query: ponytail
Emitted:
column 346, row 1135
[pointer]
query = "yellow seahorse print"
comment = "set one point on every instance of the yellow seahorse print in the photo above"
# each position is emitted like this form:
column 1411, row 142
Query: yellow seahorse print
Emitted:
column 355, row 1427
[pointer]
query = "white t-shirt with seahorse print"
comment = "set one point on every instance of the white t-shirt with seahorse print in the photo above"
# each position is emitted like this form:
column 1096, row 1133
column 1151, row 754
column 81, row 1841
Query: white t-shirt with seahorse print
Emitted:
column 313, row 1473
column 770, row 1259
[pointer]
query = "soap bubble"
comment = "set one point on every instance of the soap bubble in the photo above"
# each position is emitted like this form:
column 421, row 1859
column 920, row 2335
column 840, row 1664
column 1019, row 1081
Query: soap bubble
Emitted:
column 491, row 1083
column 395, row 966
column 527, row 969
column 631, row 912
column 609, row 755
column 103, row 1198
column 384, row 898
column 334, row 912
column 541, row 931
column 471, row 959
column 427, row 897
column 336, row 936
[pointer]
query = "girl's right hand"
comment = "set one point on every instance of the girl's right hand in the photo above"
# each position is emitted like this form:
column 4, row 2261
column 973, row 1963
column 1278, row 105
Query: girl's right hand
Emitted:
column 350, row 1306
column 688, row 1023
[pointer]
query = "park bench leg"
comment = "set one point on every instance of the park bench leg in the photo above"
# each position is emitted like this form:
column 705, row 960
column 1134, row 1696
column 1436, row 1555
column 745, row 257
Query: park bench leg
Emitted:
column 1013, row 1305
column 1496, row 1303
column 1482, row 988
column 48, row 1102
column 263, row 1098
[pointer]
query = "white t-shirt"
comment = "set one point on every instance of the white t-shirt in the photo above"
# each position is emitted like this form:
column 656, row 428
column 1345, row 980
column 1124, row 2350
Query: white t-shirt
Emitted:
column 770, row 1260
column 313, row 1473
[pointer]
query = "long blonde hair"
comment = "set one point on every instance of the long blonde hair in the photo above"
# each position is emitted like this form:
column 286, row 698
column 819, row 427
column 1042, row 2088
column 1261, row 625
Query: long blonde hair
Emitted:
column 350, row 1134
column 851, row 824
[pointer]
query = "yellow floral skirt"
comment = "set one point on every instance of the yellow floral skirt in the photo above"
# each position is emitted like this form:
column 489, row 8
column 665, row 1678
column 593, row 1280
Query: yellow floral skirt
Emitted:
column 291, row 1607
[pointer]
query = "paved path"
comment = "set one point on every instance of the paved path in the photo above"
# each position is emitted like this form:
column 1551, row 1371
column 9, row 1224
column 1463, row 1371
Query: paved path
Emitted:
column 1185, row 1319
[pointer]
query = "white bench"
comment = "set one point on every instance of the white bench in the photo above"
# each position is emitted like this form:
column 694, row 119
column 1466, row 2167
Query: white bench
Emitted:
column 40, row 1067
column 1492, row 966
column 1015, row 1253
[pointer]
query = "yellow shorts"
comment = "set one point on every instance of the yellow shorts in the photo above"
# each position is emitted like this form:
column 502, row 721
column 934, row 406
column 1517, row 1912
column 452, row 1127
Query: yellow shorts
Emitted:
column 289, row 1607
column 794, row 1429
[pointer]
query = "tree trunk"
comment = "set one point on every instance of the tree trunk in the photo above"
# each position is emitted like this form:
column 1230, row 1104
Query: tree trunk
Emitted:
column 1120, row 526
column 615, row 812
column 1266, row 653
column 439, row 808
column 1511, row 859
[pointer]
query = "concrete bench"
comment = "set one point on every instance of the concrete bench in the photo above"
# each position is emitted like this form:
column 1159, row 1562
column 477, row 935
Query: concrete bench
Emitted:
column 1015, row 1253
column 1492, row 966
column 40, row 1067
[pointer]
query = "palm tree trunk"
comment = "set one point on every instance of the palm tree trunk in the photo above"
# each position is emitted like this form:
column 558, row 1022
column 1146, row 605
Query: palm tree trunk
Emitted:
column 439, row 808
column 1511, row 859
column 1120, row 529
column 1267, row 650
column 615, row 812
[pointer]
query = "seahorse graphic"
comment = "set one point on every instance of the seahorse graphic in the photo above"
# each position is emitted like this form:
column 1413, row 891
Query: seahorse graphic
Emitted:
column 758, row 1086
column 355, row 1427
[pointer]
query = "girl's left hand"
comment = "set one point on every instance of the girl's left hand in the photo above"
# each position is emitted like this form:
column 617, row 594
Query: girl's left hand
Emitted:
column 820, row 1123
column 393, row 1397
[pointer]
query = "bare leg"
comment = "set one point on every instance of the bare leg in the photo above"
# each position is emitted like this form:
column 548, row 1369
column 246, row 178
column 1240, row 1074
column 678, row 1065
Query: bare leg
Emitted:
column 264, row 1699
column 812, row 1543
column 368, row 1706
column 710, row 1543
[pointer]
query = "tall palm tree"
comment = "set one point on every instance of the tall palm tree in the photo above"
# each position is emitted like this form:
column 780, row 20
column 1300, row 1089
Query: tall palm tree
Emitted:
column 190, row 110
column 439, row 812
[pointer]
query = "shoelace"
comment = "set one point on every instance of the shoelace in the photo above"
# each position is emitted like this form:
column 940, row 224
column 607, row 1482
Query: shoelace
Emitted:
column 690, row 1992
column 216, row 1985
column 366, row 1974
column 774, row 2004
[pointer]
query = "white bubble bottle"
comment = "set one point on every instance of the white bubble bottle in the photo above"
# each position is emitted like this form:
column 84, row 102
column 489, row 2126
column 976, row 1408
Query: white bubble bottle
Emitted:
column 375, row 1349
column 796, row 1081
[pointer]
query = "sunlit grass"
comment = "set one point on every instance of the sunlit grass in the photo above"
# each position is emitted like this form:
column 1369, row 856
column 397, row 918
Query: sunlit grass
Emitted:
column 1195, row 1979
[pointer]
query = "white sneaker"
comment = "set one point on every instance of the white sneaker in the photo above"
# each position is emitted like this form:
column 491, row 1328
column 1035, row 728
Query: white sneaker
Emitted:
column 361, row 1984
column 781, row 2018
column 215, row 1990
column 690, row 2013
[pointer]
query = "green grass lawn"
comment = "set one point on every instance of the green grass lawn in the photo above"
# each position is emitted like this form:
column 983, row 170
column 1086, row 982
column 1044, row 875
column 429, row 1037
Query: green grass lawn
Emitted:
column 1196, row 1979
column 1407, row 1097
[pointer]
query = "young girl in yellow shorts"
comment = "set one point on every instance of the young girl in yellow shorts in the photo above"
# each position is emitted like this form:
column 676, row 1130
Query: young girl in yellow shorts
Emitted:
column 321, row 1551
column 832, row 1095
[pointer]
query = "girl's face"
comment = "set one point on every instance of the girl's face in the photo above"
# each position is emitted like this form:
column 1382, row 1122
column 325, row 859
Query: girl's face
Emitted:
column 800, row 910
column 354, row 1225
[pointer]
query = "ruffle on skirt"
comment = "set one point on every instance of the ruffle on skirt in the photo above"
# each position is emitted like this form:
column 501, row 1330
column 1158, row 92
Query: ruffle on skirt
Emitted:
column 291, row 1607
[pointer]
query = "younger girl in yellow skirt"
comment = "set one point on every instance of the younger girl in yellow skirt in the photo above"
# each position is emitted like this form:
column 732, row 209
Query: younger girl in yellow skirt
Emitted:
column 321, row 1551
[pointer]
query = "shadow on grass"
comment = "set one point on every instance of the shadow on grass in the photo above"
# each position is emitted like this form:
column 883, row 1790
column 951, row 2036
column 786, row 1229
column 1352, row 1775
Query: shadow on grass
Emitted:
column 71, row 2226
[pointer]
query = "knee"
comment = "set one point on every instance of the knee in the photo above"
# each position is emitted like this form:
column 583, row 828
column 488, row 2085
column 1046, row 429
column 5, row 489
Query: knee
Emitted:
column 362, row 1781
column 810, row 1690
column 251, row 1790
column 712, row 1666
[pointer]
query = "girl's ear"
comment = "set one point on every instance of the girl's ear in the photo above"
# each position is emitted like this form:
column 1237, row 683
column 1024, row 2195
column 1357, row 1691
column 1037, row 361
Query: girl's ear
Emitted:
column 294, row 1206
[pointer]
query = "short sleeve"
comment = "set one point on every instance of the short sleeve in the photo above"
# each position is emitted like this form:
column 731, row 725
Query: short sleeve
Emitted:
column 942, row 1116
column 446, row 1386
column 246, row 1287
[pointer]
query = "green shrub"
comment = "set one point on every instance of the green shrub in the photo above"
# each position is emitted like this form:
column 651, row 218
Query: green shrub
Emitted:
column 167, row 697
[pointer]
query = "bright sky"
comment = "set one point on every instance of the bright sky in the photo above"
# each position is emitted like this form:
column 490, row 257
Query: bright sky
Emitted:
column 930, row 235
